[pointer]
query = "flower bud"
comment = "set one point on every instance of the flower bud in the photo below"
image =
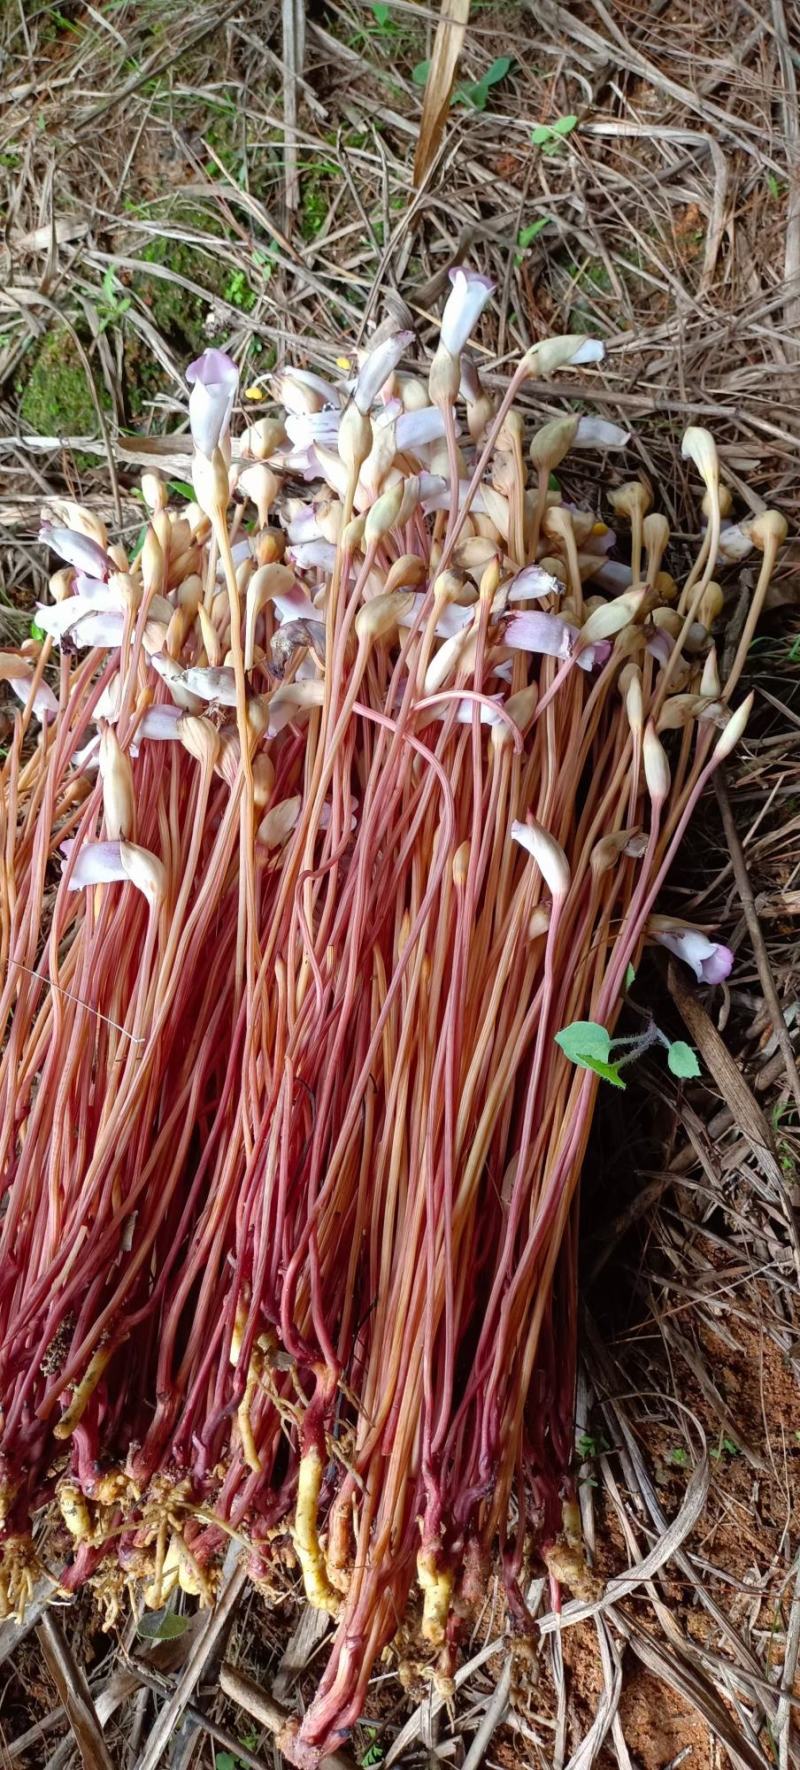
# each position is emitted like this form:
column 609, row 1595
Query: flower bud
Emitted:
column 556, row 353
column 711, row 605
column 117, row 777
column 261, row 486
column 630, row 684
column 154, row 491
column 610, row 618
column 444, row 378
column 263, row 779
column 199, row 737
column 547, row 852
column 607, row 851
column 144, row 870
column 378, row 618
column 260, row 440
column 725, row 502
column 407, row 573
column 734, row 730
column 656, row 766
column 552, row 442
column 698, row 445
column 480, row 413
column 678, row 710
column 769, row 530
column 354, row 439
column 275, row 829
column 60, row 583
column 210, row 481
column 709, row 681
column 383, row 514
column 632, row 499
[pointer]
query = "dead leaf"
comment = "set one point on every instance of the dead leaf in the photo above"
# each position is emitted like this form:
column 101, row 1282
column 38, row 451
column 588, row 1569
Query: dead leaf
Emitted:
column 447, row 46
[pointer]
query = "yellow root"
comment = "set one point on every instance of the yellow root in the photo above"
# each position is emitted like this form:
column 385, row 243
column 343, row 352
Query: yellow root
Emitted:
column 319, row 1591
column 437, row 1591
column 83, row 1394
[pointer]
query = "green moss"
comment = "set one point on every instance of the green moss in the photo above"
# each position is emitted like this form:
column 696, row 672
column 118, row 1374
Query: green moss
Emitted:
column 54, row 394
column 180, row 314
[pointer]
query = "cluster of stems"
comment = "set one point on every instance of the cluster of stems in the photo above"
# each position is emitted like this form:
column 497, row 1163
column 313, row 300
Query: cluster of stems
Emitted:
column 321, row 816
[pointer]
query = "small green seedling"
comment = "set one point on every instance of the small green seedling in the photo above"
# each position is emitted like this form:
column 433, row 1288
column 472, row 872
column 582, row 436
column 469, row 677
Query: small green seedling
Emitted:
column 229, row 1760
column 592, row 1444
column 678, row 1457
column 527, row 235
column 591, row 1046
column 726, row 1448
column 38, row 633
column 112, row 306
column 550, row 136
column 477, row 94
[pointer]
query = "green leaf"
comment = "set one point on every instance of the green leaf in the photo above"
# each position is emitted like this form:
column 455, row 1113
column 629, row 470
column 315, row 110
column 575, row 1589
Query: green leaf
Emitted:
column 548, row 135
column 226, row 1761
column 608, row 1071
column 182, row 487
column 678, row 1456
column 476, row 95
column 527, row 235
column 584, row 1039
column 420, row 73
column 37, row 632
column 382, row 13
column 163, row 1625
column 682, row 1060
column 497, row 71
column 630, row 977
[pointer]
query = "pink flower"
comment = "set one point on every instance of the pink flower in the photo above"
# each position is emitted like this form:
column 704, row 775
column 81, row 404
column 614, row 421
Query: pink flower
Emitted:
column 463, row 308
column 213, row 378
column 710, row 961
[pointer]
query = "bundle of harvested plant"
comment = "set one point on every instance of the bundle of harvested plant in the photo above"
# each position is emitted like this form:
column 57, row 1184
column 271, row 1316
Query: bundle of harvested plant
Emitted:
column 323, row 816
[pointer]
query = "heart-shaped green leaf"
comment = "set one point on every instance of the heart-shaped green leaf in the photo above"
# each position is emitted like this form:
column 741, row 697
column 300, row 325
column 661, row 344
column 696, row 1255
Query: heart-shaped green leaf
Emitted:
column 682, row 1060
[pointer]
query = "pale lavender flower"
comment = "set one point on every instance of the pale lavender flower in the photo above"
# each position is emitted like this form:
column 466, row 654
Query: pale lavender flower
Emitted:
column 598, row 433
column 110, row 863
column 414, row 429
column 306, row 428
column 312, row 553
column 553, row 637
column 463, row 308
column 531, row 583
column 77, row 550
column 213, row 379
column 377, row 367
column 710, row 961
column 161, row 723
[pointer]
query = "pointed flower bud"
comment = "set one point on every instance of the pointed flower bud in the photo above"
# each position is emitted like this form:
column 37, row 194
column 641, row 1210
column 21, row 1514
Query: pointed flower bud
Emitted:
column 376, row 368
column 547, row 853
column 698, row 445
column 734, row 730
column 117, row 777
column 656, row 766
